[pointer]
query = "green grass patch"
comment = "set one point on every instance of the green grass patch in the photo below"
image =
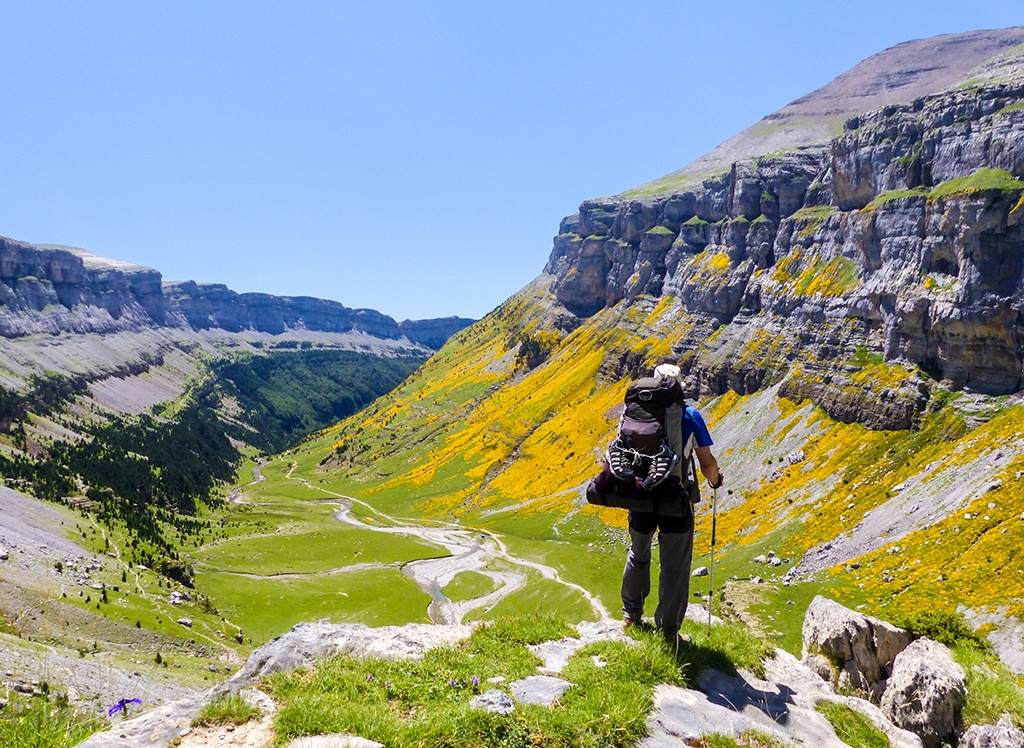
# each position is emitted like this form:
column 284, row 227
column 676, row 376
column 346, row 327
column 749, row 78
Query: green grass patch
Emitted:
column 852, row 727
column 660, row 230
column 330, row 545
column 944, row 626
column 545, row 596
column 267, row 607
column 984, row 179
column 992, row 690
column 227, row 710
column 40, row 723
column 1015, row 107
column 468, row 585
column 747, row 739
column 427, row 702
column 864, row 357
column 727, row 647
column 718, row 740
column 814, row 212
column 579, row 548
column 695, row 221
column 883, row 198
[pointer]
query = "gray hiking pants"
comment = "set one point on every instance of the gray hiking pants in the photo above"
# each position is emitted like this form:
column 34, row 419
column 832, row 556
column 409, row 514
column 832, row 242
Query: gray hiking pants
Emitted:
column 676, row 550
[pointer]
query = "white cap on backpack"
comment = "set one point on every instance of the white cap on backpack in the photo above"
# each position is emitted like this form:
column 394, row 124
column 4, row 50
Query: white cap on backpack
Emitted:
column 667, row 371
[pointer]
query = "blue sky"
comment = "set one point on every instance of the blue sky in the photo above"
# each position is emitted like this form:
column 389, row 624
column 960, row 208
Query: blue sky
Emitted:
column 411, row 157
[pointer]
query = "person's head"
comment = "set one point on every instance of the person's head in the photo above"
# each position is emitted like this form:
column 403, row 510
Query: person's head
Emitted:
column 667, row 371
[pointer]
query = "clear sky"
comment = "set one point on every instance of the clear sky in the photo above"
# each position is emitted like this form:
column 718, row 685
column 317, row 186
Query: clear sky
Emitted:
column 411, row 157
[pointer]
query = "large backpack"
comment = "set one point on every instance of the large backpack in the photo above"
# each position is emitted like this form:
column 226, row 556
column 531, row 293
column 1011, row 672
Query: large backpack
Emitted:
column 641, row 453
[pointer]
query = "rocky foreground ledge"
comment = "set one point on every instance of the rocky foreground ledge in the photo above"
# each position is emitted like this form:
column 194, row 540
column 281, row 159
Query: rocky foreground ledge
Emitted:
column 913, row 690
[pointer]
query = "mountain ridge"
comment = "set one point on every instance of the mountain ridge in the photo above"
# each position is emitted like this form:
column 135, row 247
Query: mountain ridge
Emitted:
column 54, row 289
column 899, row 74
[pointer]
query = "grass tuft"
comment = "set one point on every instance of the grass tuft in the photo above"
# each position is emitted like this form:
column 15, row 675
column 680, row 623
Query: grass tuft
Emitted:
column 982, row 180
column 852, row 727
column 992, row 690
column 227, row 710
column 39, row 723
column 747, row 739
column 946, row 627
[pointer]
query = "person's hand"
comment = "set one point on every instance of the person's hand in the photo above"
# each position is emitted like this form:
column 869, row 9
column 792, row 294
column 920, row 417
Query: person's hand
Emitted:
column 721, row 479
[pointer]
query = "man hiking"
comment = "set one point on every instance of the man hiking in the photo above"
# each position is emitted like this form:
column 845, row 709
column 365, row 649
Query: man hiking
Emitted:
column 688, row 436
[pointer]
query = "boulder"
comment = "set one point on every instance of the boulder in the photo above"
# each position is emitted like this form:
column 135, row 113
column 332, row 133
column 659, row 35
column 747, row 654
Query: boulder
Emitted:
column 864, row 648
column 926, row 692
column 700, row 571
column 1003, row 734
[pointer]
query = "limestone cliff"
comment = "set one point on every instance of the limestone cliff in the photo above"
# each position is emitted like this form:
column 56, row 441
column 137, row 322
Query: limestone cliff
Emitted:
column 900, row 239
column 50, row 289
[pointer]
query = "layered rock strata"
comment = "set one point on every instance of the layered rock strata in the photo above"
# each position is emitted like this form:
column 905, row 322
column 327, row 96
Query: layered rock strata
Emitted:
column 899, row 241
column 64, row 290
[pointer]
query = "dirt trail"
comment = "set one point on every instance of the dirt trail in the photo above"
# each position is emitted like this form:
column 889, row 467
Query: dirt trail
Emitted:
column 471, row 549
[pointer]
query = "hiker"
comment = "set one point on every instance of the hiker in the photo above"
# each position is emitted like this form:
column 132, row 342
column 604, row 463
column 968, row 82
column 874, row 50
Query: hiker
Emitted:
column 688, row 437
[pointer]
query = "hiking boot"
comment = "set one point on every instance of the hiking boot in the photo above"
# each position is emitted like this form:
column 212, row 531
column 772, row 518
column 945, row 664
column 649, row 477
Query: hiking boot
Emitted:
column 629, row 622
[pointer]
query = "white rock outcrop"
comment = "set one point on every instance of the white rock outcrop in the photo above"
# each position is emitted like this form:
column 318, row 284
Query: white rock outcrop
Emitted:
column 926, row 692
column 863, row 648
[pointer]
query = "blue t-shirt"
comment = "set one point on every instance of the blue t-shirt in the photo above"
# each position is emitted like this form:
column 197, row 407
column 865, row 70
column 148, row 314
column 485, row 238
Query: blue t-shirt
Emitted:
column 694, row 428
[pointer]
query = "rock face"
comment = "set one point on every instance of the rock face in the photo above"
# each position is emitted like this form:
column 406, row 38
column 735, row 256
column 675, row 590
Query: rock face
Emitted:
column 59, row 289
column 926, row 692
column 868, row 243
column 862, row 648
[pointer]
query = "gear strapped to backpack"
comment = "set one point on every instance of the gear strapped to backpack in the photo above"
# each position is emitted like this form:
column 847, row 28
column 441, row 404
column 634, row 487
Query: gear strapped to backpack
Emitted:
column 641, row 470
column 641, row 453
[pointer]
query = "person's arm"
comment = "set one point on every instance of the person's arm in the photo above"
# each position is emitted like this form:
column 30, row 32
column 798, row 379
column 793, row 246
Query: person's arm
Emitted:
column 709, row 466
column 702, row 448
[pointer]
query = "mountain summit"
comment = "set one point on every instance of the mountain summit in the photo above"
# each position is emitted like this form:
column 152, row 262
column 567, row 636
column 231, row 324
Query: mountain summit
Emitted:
column 896, row 75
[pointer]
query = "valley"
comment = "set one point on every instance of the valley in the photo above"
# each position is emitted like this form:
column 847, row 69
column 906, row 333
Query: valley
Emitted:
column 203, row 490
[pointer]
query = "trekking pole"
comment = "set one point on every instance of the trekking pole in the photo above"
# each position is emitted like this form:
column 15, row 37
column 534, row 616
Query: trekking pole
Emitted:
column 714, row 537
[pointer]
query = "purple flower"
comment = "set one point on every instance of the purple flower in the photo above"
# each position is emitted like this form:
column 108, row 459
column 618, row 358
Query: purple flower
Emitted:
column 122, row 706
column 475, row 681
column 453, row 683
column 369, row 677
